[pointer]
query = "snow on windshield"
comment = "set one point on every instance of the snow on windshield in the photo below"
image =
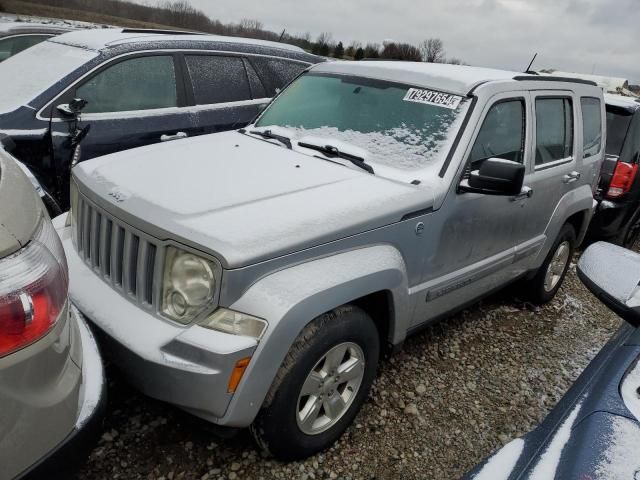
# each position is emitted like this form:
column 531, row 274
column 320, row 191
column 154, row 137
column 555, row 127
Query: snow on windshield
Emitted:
column 398, row 126
column 28, row 74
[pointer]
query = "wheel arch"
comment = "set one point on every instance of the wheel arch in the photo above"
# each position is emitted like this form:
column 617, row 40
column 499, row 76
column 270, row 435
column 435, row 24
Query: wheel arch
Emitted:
column 372, row 278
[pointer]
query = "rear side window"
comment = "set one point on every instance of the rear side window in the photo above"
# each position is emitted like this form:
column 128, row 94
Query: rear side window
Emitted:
column 618, row 122
column 218, row 79
column 554, row 130
column 276, row 73
column 11, row 45
column 141, row 83
column 591, row 126
column 502, row 133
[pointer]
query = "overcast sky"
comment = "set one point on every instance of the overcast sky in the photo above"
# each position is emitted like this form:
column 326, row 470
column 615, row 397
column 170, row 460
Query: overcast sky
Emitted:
column 588, row 36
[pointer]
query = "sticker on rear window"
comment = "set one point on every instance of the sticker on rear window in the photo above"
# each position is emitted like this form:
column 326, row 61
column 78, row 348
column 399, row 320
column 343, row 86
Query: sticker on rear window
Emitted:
column 432, row 97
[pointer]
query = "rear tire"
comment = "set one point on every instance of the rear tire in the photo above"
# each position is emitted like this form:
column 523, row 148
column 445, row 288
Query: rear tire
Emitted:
column 629, row 236
column 545, row 284
column 321, row 385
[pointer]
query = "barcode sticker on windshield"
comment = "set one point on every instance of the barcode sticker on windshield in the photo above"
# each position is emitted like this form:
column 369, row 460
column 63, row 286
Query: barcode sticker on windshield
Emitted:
column 431, row 97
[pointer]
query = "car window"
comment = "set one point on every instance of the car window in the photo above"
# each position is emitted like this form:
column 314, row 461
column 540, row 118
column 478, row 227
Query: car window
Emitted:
column 11, row 45
column 276, row 73
column 591, row 126
column 502, row 133
column 257, row 87
column 141, row 83
column 554, row 129
column 218, row 79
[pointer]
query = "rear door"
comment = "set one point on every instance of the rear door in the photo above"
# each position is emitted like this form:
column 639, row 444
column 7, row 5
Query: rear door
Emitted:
column 554, row 169
column 132, row 101
column 223, row 89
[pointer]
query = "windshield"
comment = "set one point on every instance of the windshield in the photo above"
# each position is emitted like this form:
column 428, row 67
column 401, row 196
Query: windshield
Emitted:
column 40, row 67
column 618, row 121
column 396, row 125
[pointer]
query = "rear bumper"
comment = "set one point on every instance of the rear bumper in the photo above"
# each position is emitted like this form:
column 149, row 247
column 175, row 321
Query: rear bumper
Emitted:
column 65, row 458
column 610, row 217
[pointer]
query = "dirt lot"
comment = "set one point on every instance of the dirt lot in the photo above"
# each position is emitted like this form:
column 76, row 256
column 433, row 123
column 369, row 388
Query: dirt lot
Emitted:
column 455, row 393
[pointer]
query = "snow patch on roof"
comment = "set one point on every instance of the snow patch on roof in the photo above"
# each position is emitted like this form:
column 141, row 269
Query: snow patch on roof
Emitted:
column 108, row 37
column 502, row 463
column 549, row 461
column 459, row 79
column 620, row 459
column 621, row 101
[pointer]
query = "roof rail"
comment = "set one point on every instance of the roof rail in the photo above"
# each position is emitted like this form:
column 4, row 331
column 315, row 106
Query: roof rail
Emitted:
column 160, row 31
column 550, row 78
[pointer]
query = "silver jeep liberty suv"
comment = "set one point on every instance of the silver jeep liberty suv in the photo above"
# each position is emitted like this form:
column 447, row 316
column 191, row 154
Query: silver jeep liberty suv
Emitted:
column 254, row 277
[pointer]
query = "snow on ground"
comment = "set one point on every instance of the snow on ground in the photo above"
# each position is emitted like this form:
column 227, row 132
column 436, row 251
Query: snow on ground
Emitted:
column 56, row 22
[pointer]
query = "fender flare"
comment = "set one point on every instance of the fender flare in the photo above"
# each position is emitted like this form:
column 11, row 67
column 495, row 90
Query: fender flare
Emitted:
column 291, row 298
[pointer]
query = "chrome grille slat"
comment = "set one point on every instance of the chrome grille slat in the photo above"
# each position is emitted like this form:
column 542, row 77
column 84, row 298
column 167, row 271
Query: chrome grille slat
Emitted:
column 125, row 259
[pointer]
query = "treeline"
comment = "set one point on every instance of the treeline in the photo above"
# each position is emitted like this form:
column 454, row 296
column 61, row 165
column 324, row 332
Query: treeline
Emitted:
column 181, row 15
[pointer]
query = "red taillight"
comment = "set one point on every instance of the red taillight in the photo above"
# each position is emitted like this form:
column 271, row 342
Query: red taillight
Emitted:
column 623, row 177
column 33, row 290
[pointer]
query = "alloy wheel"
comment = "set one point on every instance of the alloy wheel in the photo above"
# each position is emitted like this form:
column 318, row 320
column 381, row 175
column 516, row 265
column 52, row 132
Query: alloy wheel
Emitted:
column 330, row 388
column 556, row 266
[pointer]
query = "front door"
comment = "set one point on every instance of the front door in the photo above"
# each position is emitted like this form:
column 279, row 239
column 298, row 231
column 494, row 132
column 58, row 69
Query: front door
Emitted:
column 472, row 243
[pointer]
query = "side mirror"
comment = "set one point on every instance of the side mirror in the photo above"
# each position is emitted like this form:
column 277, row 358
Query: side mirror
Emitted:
column 612, row 274
column 73, row 108
column 495, row 176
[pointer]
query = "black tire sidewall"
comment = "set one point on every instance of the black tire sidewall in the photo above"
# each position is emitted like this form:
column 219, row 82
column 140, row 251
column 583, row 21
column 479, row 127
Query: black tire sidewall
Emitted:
column 538, row 294
column 276, row 424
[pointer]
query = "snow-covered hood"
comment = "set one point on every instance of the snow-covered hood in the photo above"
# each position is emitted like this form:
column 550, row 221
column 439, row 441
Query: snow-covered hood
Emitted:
column 243, row 199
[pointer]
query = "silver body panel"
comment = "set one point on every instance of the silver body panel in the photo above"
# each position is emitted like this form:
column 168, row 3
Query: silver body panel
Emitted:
column 46, row 393
column 296, row 242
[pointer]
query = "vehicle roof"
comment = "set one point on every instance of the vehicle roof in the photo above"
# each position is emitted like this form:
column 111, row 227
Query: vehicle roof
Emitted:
column 459, row 79
column 622, row 101
column 100, row 39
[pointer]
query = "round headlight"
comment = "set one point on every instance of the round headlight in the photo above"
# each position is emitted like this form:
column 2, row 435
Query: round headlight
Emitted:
column 189, row 285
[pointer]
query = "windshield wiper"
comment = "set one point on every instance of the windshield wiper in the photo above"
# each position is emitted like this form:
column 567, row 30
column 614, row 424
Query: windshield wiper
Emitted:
column 269, row 134
column 331, row 151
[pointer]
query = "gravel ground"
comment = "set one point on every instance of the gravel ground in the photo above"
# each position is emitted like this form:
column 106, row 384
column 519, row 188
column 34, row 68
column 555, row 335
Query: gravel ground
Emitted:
column 455, row 393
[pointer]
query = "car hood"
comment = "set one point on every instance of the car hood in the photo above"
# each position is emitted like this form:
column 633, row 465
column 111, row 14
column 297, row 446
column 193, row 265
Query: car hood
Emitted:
column 243, row 199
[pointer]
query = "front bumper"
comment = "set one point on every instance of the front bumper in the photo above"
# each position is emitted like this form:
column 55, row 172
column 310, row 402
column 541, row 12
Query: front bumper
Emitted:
column 188, row 366
column 62, row 461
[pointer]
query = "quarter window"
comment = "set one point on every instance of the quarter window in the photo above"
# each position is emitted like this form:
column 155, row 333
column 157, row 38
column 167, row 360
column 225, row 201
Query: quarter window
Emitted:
column 141, row 83
column 218, row 79
column 591, row 126
column 276, row 73
column 554, row 130
column 502, row 133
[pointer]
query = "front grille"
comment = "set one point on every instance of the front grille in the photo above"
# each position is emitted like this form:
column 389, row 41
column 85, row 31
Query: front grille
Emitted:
column 125, row 259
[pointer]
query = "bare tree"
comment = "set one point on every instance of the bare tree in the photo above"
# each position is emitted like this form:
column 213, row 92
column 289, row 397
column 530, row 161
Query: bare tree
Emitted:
column 401, row 51
column 432, row 50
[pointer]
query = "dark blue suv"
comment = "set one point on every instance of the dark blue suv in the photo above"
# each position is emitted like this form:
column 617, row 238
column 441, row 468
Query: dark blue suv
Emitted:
column 141, row 87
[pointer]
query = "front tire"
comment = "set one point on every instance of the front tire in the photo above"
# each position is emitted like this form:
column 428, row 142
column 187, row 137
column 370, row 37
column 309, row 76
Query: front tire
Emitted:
column 321, row 385
column 545, row 284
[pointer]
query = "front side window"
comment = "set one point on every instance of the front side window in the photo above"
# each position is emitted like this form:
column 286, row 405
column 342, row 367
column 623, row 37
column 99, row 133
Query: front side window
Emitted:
column 141, row 83
column 591, row 126
column 502, row 133
column 218, row 79
column 11, row 45
column 554, row 130
column 390, row 123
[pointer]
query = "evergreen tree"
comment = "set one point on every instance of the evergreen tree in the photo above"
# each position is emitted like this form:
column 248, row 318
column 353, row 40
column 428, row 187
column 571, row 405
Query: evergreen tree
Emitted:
column 338, row 51
column 359, row 55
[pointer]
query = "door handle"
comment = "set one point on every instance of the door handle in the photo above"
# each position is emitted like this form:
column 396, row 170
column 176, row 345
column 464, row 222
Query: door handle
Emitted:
column 571, row 177
column 175, row 136
column 526, row 192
